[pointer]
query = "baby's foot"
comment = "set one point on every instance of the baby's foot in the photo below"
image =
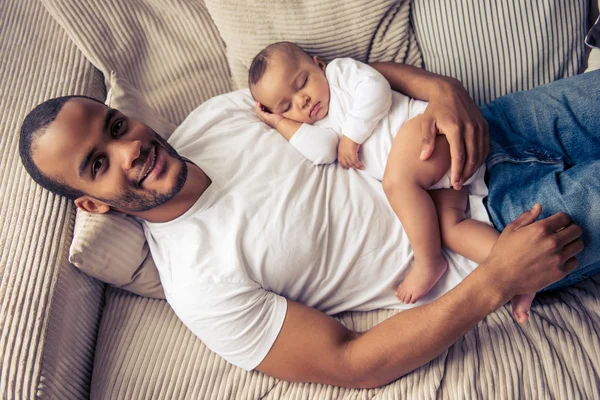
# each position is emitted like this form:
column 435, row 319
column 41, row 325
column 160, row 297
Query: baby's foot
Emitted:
column 520, row 307
column 420, row 280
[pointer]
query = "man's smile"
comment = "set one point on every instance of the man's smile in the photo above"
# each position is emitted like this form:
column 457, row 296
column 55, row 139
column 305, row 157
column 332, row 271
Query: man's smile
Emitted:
column 148, row 165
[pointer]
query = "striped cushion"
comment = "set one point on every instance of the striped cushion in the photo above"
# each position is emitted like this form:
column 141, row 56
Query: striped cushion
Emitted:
column 497, row 47
column 171, row 53
column 49, row 311
column 369, row 31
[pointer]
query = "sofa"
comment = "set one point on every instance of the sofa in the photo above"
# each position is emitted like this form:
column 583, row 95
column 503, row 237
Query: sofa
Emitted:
column 82, row 314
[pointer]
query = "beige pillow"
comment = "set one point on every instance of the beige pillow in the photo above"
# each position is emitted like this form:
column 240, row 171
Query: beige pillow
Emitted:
column 170, row 51
column 368, row 31
column 112, row 247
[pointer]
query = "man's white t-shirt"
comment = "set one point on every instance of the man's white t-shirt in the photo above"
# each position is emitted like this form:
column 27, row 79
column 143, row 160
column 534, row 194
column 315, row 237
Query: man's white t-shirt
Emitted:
column 272, row 226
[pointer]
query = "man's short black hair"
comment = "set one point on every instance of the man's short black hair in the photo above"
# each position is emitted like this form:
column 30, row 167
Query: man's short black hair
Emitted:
column 260, row 62
column 34, row 126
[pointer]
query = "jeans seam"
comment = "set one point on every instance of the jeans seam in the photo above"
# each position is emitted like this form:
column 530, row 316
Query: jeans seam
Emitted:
column 504, row 158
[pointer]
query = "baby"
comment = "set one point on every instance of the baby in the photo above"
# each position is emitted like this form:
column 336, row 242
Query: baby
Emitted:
column 347, row 106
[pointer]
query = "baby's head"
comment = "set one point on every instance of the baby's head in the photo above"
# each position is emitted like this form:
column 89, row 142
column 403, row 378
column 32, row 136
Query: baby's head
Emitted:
column 287, row 81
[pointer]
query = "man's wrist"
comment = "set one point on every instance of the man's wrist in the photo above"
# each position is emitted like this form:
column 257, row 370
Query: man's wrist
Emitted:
column 493, row 289
column 444, row 86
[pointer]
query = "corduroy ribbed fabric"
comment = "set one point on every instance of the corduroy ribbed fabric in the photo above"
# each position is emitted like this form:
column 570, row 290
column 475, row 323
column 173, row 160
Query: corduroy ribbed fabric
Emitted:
column 145, row 352
column 49, row 311
column 170, row 51
column 499, row 47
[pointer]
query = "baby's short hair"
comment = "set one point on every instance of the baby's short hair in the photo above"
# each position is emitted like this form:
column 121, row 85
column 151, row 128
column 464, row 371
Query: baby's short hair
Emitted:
column 260, row 62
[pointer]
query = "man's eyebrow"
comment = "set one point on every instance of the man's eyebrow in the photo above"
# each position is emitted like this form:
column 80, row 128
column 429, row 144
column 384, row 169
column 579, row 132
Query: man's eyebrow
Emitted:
column 109, row 115
column 86, row 161
column 88, row 156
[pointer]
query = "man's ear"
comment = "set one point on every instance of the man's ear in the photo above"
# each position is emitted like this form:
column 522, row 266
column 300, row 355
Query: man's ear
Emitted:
column 319, row 63
column 91, row 205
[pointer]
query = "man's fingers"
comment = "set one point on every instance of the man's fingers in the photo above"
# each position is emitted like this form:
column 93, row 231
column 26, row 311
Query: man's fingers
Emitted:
column 485, row 140
column 457, row 158
column 557, row 221
column 570, row 265
column 572, row 249
column 527, row 218
column 568, row 234
column 472, row 152
column 428, row 132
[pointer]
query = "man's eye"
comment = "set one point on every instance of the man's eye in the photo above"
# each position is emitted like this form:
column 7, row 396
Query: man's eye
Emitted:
column 97, row 165
column 117, row 127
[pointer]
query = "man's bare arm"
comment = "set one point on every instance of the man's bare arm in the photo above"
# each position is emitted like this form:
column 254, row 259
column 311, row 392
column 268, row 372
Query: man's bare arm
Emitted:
column 313, row 347
column 451, row 112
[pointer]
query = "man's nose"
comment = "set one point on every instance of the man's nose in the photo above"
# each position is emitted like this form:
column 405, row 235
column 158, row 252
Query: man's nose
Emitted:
column 128, row 152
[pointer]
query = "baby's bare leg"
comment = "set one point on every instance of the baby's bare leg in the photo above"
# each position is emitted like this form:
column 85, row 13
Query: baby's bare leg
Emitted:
column 470, row 238
column 405, row 182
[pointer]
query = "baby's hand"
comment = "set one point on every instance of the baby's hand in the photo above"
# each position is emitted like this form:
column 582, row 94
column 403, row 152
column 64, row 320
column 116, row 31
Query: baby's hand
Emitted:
column 268, row 118
column 348, row 154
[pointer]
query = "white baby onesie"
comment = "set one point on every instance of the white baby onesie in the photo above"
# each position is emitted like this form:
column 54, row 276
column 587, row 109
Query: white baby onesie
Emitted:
column 362, row 107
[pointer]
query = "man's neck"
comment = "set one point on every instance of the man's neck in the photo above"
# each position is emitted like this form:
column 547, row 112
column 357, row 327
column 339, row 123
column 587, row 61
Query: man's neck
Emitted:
column 195, row 185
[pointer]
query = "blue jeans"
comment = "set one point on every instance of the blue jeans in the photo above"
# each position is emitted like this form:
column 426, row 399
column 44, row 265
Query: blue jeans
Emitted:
column 545, row 148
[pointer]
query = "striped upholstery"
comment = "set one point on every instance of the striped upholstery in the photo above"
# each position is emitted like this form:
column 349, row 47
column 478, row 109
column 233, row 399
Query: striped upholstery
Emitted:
column 171, row 53
column 498, row 47
column 145, row 352
column 366, row 30
column 49, row 311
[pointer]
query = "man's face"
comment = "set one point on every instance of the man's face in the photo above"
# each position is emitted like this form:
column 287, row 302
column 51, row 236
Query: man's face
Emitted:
column 114, row 159
column 298, row 90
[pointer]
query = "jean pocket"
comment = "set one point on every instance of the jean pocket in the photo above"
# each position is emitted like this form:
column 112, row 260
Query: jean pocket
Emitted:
column 522, row 154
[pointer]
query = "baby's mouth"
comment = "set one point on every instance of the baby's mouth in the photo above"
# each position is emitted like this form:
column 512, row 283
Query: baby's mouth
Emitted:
column 315, row 109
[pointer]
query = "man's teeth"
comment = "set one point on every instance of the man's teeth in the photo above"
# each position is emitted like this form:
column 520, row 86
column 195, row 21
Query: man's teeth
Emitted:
column 151, row 166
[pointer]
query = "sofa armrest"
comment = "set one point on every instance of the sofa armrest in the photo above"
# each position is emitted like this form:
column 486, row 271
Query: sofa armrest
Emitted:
column 49, row 311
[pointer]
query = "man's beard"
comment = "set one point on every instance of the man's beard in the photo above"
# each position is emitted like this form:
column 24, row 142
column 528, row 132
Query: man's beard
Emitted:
column 137, row 202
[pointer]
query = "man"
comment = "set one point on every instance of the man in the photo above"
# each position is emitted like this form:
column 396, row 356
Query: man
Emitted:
column 243, row 221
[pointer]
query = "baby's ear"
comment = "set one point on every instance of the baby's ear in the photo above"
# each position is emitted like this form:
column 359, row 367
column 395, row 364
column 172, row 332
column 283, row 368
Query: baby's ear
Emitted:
column 319, row 62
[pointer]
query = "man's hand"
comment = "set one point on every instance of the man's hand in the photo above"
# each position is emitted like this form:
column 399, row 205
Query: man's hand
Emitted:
column 268, row 118
column 529, row 255
column 451, row 112
column 348, row 154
